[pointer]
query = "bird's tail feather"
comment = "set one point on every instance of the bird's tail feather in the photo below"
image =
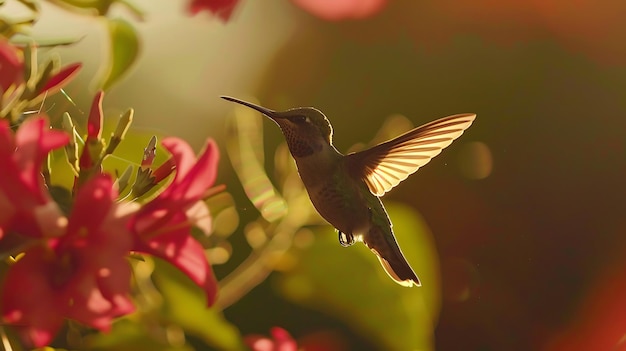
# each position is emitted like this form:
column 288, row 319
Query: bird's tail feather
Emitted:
column 392, row 259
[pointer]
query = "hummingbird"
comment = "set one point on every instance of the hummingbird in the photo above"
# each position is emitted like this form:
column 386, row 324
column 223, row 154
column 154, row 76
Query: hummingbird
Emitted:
column 346, row 189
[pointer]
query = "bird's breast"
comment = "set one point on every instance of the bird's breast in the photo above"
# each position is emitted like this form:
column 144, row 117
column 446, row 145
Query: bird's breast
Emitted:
column 338, row 198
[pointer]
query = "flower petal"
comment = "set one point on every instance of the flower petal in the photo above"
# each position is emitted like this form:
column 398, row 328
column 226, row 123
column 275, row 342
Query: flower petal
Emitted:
column 21, row 182
column 182, row 154
column 28, row 300
column 162, row 226
column 33, row 141
column 99, row 241
column 94, row 123
column 282, row 341
column 221, row 8
column 335, row 10
column 59, row 80
column 181, row 250
column 193, row 177
column 92, row 205
column 11, row 66
column 200, row 216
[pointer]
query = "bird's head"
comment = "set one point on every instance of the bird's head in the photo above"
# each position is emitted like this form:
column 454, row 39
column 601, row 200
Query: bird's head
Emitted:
column 306, row 129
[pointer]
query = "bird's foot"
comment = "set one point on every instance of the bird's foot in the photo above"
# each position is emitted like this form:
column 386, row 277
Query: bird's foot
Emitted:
column 345, row 239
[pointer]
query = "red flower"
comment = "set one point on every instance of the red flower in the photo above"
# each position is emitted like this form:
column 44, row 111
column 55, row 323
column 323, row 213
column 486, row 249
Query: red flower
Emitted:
column 55, row 83
column 163, row 225
column 336, row 10
column 25, row 205
column 282, row 341
column 12, row 75
column 82, row 275
column 11, row 66
column 93, row 144
column 221, row 8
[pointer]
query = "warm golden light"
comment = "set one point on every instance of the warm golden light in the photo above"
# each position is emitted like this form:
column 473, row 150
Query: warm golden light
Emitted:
column 475, row 160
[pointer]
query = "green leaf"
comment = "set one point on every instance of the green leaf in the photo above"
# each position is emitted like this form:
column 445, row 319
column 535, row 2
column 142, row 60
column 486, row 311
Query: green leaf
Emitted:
column 124, row 49
column 185, row 305
column 350, row 284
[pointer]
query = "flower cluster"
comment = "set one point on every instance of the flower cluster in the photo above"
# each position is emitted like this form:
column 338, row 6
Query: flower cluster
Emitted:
column 75, row 266
column 68, row 253
column 22, row 84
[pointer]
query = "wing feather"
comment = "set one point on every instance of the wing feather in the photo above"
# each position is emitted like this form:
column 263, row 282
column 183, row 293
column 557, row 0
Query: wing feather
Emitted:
column 385, row 165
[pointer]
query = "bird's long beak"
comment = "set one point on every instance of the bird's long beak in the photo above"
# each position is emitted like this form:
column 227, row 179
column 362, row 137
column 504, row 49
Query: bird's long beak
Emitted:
column 266, row 111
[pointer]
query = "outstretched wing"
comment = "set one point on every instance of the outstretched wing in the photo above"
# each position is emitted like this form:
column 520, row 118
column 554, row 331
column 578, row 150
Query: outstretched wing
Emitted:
column 385, row 165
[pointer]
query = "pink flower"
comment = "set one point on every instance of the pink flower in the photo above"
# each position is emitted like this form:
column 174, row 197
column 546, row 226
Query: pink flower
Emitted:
column 282, row 341
column 12, row 74
column 336, row 10
column 55, row 83
column 162, row 226
column 221, row 8
column 83, row 275
column 11, row 66
column 164, row 170
column 25, row 204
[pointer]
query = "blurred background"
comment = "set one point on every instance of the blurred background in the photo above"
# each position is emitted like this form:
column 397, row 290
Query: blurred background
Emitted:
column 518, row 229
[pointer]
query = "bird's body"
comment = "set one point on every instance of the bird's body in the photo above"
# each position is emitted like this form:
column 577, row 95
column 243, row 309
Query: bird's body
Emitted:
column 345, row 189
column 348, row 204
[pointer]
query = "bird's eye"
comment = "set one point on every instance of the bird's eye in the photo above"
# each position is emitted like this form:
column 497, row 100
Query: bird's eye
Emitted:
column 301, row 119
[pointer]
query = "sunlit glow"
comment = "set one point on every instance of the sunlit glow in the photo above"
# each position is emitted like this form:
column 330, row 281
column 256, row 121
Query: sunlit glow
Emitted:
column 104, row 272
column 273, row 209
column 6, row 344
column 220, row 254
column 475, row 160
column 283, row 261
column 62, row 222
column 255, row 235
column 393, row 126
column 200, row 216
column 303, row 238
column 246, row 153
column 298, row 287
column 263, row 344
column 175, row 335
column 226, row 222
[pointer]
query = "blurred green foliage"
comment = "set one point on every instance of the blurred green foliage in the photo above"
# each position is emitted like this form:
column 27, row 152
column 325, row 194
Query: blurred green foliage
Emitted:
column 185, row 305
column 349, row 284
column 123, row 51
